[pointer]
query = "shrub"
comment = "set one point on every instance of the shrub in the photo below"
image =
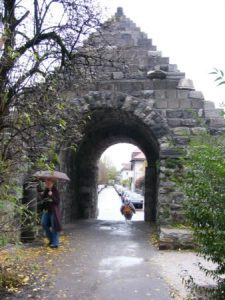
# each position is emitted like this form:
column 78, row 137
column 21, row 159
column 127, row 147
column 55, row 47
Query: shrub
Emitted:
column 203, row 183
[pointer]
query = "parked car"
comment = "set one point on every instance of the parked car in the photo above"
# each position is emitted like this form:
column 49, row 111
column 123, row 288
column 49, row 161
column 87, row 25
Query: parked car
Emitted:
column 101, row 187
column 136, row 199
column 120, row 189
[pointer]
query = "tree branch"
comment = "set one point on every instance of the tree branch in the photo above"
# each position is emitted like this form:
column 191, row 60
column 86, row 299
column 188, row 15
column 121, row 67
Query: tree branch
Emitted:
column 42, row 37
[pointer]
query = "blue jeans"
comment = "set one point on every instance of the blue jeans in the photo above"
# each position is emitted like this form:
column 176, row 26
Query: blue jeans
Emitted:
column 47, row 222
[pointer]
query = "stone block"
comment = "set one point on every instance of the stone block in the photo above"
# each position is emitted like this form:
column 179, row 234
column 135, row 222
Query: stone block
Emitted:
column 176, row 207
column 130, row 103
column 159, row 84
column 181, row 131
column 181, row 140
column 197, row 103
column 163, row 198
column 171, row 83
column 216, row 122
column 136, row 75
column 172, row 68
column 196, row 95
column 171, row 94
column 175, row 238
column 209, row 105
column 169, row 185
column 170, row 153
column 176, row 76
column 160, row 104
column 198, row 130
column 148, row 93
column 163, row 190
column 215, row 131
column 214, row 113
column 154, row 53
column 159, row 130
column 128, row 86
column 173, row 103
column 178, row 216
column 148, row 85
column 148, row 120
column 189, row 114
column 164, row 60
column 177, row 197
column 137, row 94
column 149, row 106
column 144, row 42
column 164, row 145
column 182, row 94
column 117, row 75
column 175, row 114
column 160, row 94
column 174, row 122
column 185, row 103
column 189, row 122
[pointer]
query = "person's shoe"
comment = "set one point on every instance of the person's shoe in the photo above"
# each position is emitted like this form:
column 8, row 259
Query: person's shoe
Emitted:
column 54, row 246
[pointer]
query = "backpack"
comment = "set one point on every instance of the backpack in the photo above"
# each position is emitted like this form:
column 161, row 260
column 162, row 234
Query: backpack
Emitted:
column 127, row 210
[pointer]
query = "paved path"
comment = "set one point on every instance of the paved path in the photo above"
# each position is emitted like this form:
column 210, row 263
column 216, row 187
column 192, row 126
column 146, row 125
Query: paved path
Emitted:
column 110, row 261
column 109, row 204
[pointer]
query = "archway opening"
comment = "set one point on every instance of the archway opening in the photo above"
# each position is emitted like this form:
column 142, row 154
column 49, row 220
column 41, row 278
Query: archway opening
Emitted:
column 121, row 175
column 106, row 128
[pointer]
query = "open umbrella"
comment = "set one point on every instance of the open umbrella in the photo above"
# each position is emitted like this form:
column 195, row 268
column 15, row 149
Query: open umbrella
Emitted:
column 52, row 175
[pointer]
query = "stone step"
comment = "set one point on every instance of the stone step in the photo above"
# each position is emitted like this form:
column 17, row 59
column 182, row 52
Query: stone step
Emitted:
column 175, row 238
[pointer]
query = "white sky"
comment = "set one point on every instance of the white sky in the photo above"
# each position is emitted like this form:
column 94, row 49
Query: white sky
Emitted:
column 119, row 153
column 190, row 32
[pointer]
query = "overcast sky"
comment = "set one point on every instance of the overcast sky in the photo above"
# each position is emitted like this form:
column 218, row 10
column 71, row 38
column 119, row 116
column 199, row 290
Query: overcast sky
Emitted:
column 190, row 32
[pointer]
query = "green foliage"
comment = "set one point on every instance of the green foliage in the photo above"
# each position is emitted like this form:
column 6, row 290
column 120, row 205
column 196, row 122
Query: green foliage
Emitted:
column 112, row 173
column 126, row 182
column 11, row 212
column 203, row 185
column 219, row 76
column 107, row 172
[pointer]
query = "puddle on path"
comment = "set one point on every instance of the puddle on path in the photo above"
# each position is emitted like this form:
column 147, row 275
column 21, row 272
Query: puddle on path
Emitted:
column 118, row 262
column 105, row 228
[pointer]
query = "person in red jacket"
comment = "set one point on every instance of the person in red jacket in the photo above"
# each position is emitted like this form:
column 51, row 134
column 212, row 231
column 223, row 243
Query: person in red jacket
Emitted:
column 127, row 209
column 51, row 220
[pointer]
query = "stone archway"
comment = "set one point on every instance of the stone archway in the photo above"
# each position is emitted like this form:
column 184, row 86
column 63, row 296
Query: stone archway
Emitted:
column 145, row 101
column 108, row 126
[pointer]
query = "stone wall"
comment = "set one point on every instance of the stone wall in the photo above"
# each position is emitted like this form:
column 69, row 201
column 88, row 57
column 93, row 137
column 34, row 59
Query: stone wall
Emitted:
column 144, row 100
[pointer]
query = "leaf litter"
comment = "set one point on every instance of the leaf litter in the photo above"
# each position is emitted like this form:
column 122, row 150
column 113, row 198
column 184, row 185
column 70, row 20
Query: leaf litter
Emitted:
column 26, row 268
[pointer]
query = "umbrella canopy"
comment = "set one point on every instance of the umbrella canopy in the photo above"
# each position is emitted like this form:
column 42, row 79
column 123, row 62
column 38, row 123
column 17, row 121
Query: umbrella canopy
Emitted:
column 52, row 175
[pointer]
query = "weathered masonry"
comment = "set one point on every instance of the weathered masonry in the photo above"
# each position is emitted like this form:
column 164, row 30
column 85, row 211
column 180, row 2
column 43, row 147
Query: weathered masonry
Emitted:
column 148, row 102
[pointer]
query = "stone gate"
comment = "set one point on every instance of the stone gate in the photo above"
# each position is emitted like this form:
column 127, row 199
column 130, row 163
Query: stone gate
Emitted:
column 147, row 102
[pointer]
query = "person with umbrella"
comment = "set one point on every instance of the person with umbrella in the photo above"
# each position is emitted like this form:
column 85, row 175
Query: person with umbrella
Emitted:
column 51, row 220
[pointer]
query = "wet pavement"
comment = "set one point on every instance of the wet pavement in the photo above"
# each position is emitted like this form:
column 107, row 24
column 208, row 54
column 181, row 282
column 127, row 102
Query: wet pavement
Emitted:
column 110, row 260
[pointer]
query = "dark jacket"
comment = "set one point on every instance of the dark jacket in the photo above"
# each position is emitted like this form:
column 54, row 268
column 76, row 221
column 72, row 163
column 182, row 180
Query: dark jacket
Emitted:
column 53, row 206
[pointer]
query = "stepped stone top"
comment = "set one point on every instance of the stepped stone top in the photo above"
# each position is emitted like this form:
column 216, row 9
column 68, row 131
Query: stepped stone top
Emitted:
column 124, row 42
column 119, row 12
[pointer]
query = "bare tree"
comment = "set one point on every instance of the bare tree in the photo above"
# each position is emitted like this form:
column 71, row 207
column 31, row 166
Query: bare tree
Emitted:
column 42, row 47
column 42, row 52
